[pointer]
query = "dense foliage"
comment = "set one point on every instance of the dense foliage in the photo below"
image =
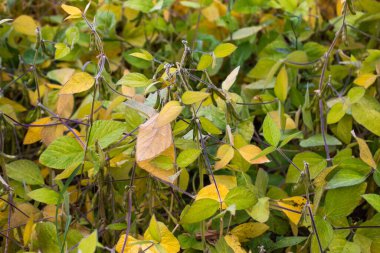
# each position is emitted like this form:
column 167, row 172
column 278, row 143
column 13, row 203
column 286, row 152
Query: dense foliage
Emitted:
column 190, row 126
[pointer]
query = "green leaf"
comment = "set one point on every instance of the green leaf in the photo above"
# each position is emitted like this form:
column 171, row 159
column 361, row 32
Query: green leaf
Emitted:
column 288, row 241
column 317, row 140
column 25, row 171
column 61, row 50
column 187, row 157
column 261, row 182
column 281, row 86
column 325, row 232
column 88, row 244
column 355, row 94
column 371, row 118
column 272, row 133
column 163, row 162
column 341, row 202
column 208, row 126
column 45, row 195
column 106, row 132
column 72, row 35
column 138, row 5
column 47, row 237
column 260, row 211
column 205, row 62
column 351, row 171
column 242, row 197
column 64, row 152
column 336, row 113
column 224, row 50
column 290, row 137
column 373, row 200
column 316, row 164
column 199, row 211
column 154, row 229
column 134, row 80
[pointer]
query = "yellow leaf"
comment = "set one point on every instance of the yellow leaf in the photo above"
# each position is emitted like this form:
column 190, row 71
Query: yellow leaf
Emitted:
column 210, row 192
column 204, row 62
column 65, row 105
column 169, row 112
column 152, row 140
column 28, row 230
column 292, row 207
column 79, row 82
column 26, row 25
column 365, row 80
column 365, row 153
column 145, row 55
column 249, row 230
column 249, row 152
column 134, row 246
column 233, row 242
column 191, row 97
column 73, row 12
column 289, row 122
column 224, row 49
column 168, row 240
column 281, row 86
column 225, row 153
column 229, row 181
column 16, row 106
column 34, row 131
